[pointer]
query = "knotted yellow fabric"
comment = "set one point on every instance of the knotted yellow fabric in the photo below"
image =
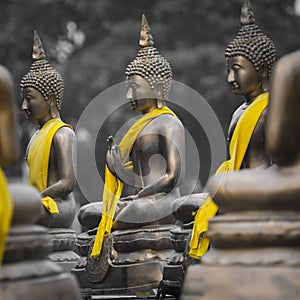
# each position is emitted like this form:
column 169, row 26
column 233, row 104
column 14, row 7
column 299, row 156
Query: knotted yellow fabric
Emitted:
column 113, row 186
column 6, row 210
column 238, row 146
column 38, row 160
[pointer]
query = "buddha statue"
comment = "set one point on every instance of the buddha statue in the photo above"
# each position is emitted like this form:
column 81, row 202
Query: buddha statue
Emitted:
column 154, row 146
column 9, row 151
column 49, row 153
column 256, row 238
column 25, row 271
column 275, row 187
column 133, row 242
column 249, row 61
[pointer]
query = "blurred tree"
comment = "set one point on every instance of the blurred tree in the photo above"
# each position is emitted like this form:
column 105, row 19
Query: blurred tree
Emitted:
column 91, row 43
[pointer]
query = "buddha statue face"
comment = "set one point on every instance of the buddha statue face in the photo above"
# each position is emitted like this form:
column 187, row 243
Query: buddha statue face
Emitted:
column 140, row 94
column 34, row 104
column 43, row 78
column 250, row 57
column 243, row 77
column 149, row 75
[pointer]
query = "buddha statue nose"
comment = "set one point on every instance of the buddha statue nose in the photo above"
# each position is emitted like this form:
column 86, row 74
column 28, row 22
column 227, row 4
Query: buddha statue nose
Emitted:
column 129, row 95
column 230, row 77
column 25, row 105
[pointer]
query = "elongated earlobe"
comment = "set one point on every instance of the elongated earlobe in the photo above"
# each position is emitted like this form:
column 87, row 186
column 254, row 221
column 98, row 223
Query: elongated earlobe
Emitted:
column 52, row 106
column 159, row 103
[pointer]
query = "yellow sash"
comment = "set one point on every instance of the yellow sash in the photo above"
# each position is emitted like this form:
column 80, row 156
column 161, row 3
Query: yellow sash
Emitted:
column 38, row 160
column 238, row 146
column 6, row 210
column 113, row 186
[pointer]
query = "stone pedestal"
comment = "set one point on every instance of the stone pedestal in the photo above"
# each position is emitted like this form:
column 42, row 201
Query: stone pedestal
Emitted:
column 63, row 241
column 255, row 255
column 26, row 272
column 132, row 262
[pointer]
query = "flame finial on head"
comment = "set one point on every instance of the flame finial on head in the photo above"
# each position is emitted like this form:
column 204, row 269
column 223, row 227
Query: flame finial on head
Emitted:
column 247, row 15
column 38, row 52
column 149, row 63
column 146, row 38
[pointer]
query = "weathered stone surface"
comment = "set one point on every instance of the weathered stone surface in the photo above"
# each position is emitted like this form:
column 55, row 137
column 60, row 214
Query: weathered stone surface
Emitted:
column 239, row 282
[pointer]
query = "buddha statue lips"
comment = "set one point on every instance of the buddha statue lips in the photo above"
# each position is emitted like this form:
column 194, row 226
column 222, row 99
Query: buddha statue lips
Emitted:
column 234, row 85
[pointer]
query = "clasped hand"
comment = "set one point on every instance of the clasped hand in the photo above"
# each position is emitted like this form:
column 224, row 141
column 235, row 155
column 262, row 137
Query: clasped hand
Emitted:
column 115, row 165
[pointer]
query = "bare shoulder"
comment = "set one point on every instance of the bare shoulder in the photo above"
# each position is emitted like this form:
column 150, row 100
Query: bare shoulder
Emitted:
column 167, row 122
column 238, row 111
column 64, row 136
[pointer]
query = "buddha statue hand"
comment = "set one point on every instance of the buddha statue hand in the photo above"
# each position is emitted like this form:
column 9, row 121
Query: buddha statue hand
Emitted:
column 115, row 164
column 112, row 155
column 129, row 198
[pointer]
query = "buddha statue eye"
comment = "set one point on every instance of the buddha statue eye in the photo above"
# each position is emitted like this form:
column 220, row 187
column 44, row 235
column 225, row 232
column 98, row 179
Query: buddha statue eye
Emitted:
column 133, row 86
column 27, row 98
column 236, row 68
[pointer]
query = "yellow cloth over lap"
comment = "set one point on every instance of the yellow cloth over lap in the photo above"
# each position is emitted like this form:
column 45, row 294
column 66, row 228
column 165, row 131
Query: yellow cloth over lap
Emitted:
column 238, row 146
column 38, row 159
column 113, row 186
column 6, row 211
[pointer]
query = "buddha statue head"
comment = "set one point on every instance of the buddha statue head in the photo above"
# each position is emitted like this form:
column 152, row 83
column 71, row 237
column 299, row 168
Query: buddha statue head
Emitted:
column 250, row 56
column 149, row 72
column 42, row 79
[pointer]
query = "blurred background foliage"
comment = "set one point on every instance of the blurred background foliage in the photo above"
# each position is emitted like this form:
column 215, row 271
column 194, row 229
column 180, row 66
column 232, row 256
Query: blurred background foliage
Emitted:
column 91, row 43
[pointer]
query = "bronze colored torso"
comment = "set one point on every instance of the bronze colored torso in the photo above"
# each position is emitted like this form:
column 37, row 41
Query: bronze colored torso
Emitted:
column 157, row 156
column 256, row 155
column 153, row 151
column 61, row 180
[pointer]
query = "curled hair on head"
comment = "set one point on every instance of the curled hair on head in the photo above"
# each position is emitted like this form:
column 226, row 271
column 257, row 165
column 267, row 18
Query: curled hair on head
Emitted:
column 251, row 43
column 149, row 63
column 42, row 76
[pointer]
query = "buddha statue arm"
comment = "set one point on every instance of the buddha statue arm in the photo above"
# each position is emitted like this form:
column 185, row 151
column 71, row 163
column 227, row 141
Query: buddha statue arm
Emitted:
column 9, row 147
column 63, row 145
column 171, row 138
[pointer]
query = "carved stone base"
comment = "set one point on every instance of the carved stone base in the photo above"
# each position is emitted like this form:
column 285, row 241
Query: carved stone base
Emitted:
column 35, row 280
column 27, row 274
column 254, row 255
column 63, row 241
column 135, row 259
column 241, row 282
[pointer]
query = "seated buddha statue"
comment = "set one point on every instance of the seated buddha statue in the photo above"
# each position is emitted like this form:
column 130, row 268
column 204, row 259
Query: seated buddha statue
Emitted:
column 150, row 156
column 49, row 153
column 249, row 61
column 9, row 151
column 276, row 187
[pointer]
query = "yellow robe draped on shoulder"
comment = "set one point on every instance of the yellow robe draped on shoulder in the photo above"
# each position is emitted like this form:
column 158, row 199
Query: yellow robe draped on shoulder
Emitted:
column 38, row 159
column 113, row 186
column 238, row 146
column 6, row 211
